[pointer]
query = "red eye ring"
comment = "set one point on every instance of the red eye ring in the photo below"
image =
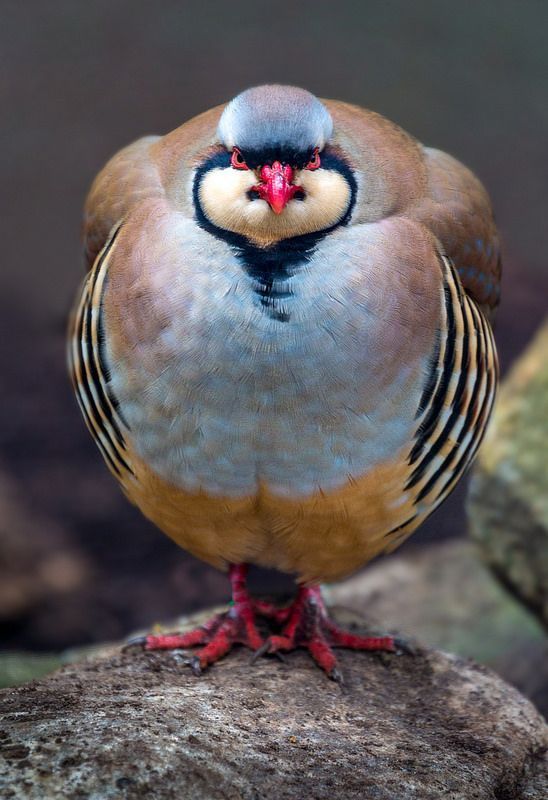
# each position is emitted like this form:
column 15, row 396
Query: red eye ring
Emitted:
column 315, row 161
column 237, row 160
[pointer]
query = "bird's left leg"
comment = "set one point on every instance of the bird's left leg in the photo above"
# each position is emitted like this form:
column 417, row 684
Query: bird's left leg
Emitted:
column 308, row 625
column 221, row 632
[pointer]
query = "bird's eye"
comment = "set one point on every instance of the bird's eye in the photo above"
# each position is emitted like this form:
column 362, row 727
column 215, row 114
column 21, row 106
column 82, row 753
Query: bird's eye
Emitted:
column 314, row 162
column 237, row 161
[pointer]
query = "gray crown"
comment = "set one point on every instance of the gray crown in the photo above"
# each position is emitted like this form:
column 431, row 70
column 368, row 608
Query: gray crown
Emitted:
column 275, row 115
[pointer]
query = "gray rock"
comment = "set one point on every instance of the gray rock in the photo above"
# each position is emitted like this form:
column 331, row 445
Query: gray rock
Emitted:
column 135, row 725
column 508, row 502
column 443, row 595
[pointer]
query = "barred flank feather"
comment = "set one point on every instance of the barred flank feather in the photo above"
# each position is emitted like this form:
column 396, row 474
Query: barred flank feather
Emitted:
column 89, row 373
column 456, row 402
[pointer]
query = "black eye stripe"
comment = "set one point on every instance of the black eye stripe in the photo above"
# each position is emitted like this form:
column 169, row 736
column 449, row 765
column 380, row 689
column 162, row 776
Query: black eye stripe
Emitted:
column 271, row 153
column 219, row 160
column 254, row 159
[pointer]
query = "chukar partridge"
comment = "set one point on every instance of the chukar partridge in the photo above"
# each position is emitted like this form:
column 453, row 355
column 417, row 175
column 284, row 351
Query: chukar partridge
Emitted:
column 282, row 347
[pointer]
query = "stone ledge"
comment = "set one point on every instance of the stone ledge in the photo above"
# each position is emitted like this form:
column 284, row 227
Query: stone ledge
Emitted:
column 135, row 725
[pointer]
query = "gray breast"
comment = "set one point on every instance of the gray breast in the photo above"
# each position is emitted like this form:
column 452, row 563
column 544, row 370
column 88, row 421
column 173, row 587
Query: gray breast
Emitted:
column 238, row 397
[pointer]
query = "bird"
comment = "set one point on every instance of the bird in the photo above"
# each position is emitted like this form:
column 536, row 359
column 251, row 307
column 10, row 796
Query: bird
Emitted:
column 283, row 347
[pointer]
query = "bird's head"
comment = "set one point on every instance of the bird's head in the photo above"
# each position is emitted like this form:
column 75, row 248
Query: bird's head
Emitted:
column 273, row 174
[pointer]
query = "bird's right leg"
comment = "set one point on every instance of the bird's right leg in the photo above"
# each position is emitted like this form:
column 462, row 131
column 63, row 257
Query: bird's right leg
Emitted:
column 221, row 632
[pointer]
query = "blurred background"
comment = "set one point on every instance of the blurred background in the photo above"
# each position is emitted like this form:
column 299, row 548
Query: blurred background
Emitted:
column 80, row 80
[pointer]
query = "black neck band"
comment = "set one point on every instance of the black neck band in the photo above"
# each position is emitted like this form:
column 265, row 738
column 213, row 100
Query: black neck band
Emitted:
column 269, row 266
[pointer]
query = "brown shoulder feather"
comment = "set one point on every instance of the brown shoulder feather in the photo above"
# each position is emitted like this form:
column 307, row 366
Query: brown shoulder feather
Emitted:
column 459, row 214
column 129, row 176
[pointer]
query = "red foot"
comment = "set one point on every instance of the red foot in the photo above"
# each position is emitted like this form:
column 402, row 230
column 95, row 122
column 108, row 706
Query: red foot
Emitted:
column 305, row 623
column 308, row 625
column 221, row 632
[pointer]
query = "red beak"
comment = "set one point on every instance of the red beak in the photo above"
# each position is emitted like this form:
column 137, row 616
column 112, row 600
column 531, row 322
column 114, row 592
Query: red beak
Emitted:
column 276, row 187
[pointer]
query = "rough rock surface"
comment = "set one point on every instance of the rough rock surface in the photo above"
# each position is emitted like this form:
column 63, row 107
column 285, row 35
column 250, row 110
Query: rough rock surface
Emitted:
column 443, row 595
column 133, row 724
column 509, row 492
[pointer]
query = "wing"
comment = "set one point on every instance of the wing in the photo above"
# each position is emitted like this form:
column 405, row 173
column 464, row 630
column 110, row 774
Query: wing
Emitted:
column 455, row 405
column 129, row 177
column 90, row 375
column 139, row 176
column 459, row 214
column 151, row 167
column 400, row 176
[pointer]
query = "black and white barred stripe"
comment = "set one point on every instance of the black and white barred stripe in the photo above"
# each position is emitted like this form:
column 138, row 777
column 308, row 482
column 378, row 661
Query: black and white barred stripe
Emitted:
column 89, row 371
column 456, row 402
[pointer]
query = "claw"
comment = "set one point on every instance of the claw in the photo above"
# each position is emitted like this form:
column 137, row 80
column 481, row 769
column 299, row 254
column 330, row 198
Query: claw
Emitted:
column 337, row 676
column 265, row 649
column 260, row 651
column 280, row 657
column 403, row 646
column 195, row 665
column 134, row 641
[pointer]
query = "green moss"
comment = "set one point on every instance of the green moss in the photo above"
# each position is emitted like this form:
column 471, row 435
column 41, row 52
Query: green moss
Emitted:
column 20, row 667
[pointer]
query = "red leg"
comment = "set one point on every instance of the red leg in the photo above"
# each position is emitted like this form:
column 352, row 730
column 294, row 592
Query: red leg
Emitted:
column 221, row 632
column 308, row 625
column 305, row 623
